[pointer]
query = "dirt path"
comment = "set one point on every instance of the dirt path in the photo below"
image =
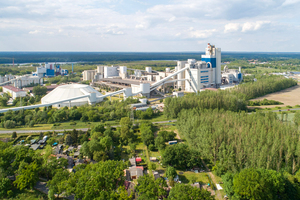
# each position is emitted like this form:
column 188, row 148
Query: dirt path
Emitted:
column 212, row 176
column 177, row 135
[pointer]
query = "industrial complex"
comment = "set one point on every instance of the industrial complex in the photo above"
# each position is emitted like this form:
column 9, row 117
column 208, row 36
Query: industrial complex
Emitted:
column 187, row 76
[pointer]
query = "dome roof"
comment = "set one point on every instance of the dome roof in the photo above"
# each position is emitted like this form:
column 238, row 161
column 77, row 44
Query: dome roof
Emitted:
column 68, row 91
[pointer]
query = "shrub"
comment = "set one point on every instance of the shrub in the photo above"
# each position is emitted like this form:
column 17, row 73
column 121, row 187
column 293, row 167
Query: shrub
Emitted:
column 9, row 124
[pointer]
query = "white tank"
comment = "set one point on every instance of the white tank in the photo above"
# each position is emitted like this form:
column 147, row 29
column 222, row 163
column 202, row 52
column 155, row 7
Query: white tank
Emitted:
column 144, row 101
column 180, row 65
column 191, row 61
column 92, row 98
column 168, row 70
column 218, row 66
column 145, row 88
column 149, row 69
column 138, row 73
column 123, row 69
column 128, row 92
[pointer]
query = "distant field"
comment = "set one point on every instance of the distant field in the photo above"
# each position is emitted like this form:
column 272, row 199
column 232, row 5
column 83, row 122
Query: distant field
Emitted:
column 289, row 97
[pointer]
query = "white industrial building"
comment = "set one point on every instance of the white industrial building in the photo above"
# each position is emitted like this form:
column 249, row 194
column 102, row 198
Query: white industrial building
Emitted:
column 188, row 76
column 72, row 91
column 89, row 75
column 201, row 74
column 20, row 81
column 231, row 76
column 13, row 91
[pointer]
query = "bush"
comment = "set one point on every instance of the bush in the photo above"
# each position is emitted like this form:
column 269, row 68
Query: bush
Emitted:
column 14, row 135
column 151, row 147
column 73, row 123
column 31, row 123
column 9, row 124
column 56, row 124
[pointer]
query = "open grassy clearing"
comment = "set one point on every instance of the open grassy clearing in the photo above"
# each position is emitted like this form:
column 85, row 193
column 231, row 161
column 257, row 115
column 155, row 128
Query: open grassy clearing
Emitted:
column 289, row 97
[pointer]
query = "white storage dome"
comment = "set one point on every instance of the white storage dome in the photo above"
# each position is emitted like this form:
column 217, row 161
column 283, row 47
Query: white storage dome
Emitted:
column 70, row 91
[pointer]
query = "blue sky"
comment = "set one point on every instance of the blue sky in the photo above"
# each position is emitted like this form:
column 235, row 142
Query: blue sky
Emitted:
column 149, row 26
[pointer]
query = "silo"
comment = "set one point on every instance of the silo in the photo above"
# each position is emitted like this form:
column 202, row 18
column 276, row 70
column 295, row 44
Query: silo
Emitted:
column 180, row 65
column 149, row 69
column 218, row 67
column 145, row 89
column 123, row 69
column 168, row 70
column 127, row 92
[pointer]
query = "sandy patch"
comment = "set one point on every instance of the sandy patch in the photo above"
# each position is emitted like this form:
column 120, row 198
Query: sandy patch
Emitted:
column 289, row 97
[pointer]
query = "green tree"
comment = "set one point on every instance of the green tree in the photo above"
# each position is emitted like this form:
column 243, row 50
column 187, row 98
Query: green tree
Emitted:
column 5, row 186
column 148, row 188
column 106, row 178
column 39, row 90
column 171, row 172
column 68, row 139
column 14, row 135
column 27, row 175
column 125, row 129
column 187, row 192
column 58, row 184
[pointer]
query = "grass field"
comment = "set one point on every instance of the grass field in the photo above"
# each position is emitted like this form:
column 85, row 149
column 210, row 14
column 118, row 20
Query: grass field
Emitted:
column 289, row 97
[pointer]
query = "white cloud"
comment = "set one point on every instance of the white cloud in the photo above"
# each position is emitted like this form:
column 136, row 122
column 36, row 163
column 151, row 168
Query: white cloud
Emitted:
column 231, row 27
column 253, row 26
column 290, row 2
column 157, row 24
column 201, row 33
column 34, row 32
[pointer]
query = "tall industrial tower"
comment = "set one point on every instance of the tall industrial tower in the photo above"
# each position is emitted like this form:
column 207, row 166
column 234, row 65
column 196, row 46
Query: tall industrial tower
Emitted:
column 213, row 59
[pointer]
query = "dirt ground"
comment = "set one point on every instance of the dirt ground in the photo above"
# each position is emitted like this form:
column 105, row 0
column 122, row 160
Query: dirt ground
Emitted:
column 289, row 97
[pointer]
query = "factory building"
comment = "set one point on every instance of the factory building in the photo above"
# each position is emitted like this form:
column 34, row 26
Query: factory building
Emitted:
column 49, row 70
column 201, row 74
column 231, row 76
column 13, row 91
column 26, row 80
column 89, row 75
column 6, row 78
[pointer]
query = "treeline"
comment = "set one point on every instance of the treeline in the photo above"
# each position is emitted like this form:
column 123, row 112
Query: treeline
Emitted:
column 261, row 184
column 63, row 79
column 233, row 100
column 264, row 102
column 264, row 86
column 233, row 141
column 104, row 111
column 223, row 99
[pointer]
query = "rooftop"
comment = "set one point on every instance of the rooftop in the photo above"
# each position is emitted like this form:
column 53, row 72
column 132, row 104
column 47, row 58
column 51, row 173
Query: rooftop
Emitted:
column 12, row 88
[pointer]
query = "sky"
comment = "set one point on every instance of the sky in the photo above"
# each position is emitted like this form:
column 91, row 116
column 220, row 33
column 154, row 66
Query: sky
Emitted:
column 149, row 25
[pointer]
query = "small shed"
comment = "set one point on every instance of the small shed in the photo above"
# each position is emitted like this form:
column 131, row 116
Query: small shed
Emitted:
column 35, row 147
column 153, row 159
column 138, row 159
column 132, row 161
column 135, row 172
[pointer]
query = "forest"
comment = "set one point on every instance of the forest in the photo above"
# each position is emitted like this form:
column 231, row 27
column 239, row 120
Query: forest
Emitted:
column 30, row 57
column 233, row 100
column 233, row 141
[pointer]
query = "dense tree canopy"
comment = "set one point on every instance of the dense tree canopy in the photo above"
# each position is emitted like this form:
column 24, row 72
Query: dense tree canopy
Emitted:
column 233, row 141
column 187, row 192
column 98, row 181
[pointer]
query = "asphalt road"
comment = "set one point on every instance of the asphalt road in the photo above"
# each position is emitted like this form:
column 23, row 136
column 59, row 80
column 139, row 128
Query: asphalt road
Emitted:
column 62, row 130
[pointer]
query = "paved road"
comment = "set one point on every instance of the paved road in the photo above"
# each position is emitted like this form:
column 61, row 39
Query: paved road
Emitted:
column 62, row 130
